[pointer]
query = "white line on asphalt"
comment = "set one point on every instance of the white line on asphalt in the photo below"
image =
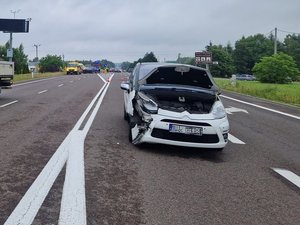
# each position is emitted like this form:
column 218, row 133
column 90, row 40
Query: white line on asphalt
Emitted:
column 73, row 207
column 60, row 85
column 7, row 104
column 41, row 92
column 71, row 81
column 262, row 107
column 32, row 82
column 73, row 212
column 290, row 176
column 235, row 140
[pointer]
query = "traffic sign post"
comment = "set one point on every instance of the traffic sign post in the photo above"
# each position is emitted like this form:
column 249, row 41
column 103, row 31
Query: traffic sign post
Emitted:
column 13, row 26
column 202, row 58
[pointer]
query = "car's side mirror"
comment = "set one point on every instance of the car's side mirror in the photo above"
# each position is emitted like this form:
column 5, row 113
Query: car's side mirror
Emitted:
column 125, row 86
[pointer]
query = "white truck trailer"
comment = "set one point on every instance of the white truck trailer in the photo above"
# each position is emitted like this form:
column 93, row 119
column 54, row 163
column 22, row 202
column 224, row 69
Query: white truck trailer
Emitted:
column 6, row 74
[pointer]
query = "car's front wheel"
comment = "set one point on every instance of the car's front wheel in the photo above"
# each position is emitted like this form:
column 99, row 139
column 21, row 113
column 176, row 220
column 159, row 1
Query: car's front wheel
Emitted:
column 125, row 115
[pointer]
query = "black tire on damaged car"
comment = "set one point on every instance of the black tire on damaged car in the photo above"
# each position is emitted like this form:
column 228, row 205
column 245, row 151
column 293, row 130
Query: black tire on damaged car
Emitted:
column 125, row 115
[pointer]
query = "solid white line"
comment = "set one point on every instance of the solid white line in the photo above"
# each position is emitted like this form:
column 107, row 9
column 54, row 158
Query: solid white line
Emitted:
column 101, row 78
column 262, row 107
column 41, row 92
column 60, row 85
column 73, row 206
column 32, row 82
column 31, row 202
column 235, row 140
column 10, row 103
column 292, row 177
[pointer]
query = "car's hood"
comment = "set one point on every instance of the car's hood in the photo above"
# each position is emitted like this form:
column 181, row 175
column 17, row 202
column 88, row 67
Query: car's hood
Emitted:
column 179, row 75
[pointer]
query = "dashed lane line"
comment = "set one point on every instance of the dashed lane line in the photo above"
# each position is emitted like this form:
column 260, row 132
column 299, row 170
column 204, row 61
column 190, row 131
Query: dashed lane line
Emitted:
column 290, row 176
column 41, row 92
column 60, row 85
column 73, row 208
column 7, row 104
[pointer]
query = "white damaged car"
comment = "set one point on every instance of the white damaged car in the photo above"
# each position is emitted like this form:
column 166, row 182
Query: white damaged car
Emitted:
column 174, row 104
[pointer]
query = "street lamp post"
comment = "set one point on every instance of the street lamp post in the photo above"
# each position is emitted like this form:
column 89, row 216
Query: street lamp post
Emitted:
column 36, row 51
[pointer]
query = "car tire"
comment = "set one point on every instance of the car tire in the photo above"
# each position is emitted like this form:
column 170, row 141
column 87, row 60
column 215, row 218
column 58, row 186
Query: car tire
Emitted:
column 125, row 115
column 219, row 149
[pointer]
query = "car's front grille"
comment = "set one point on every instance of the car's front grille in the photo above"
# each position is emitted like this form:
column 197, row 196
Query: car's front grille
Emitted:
column 165, row 134
column 186, row 122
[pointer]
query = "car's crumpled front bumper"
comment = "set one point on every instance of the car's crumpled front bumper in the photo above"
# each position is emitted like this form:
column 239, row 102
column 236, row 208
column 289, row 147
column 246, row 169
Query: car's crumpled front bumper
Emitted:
column 156, row 130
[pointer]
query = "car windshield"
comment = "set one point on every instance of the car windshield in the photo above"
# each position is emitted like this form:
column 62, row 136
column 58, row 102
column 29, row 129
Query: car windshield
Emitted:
column 72, row 65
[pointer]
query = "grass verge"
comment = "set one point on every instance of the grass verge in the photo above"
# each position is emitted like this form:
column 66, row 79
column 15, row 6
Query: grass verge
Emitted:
column 285, row 93
column 28, row 76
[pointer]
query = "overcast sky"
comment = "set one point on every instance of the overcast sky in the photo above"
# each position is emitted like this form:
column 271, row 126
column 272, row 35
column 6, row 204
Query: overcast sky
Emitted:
column 124, row 30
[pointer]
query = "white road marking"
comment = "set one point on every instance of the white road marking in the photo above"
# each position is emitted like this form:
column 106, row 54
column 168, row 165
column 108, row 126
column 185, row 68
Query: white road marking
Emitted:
column 73, row 209
column 7, row 104
column 32, row 82
column 44, row 91
column 60, row 85
column 262, row 107
column 231, row 110
column 290, row 176
column 235, row 140
column 71, row 81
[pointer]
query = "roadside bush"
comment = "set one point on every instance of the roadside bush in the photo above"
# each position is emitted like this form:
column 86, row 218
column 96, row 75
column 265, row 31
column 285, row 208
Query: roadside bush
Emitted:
column 279, row 68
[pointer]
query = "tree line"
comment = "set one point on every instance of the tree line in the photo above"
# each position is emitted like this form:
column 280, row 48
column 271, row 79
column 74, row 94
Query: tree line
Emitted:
column 255, row 54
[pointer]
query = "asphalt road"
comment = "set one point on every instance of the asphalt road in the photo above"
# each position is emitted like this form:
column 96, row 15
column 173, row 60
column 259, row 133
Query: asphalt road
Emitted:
column 154, row 184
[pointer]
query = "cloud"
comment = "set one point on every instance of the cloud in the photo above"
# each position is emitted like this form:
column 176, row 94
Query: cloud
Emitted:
column 124, row 30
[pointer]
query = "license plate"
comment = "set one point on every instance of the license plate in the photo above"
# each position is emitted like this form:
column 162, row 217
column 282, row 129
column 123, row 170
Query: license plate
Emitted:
column 173, row 128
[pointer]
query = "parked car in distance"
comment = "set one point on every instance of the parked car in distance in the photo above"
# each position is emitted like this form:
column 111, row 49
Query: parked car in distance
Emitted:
column 174, row 104
column 245, row 77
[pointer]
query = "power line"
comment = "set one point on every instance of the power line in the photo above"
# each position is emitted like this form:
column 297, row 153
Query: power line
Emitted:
column 267, row 34
column 289, row 32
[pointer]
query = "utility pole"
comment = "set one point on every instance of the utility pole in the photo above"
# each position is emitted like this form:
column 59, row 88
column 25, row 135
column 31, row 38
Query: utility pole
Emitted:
column 10, row 50
column 275, row 42
column 36, row 51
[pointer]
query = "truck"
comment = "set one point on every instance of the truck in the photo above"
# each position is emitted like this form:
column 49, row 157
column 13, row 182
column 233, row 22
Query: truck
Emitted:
column 6, row 74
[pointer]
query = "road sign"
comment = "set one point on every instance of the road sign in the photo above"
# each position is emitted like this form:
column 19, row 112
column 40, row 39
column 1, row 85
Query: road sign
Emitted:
column 14, row 25
column 203, row 57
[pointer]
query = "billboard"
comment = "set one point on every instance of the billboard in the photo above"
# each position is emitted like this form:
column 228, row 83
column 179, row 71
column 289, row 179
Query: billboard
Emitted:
column 14, row 25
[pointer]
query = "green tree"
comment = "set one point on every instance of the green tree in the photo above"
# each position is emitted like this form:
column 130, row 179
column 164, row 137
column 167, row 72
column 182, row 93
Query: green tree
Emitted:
column 225, row 66
column 250, row 50
column 292, row 47
column 279, row 68
column 149, row 57
column 51, row 63
column 19, row 58
column 125, row 65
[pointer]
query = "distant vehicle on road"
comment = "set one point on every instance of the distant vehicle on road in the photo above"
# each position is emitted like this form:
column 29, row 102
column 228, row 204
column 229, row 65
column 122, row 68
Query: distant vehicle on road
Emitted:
column 74, row 68
column 245, row 77
column 90, row 69
column 6, row 74
column 174, row 104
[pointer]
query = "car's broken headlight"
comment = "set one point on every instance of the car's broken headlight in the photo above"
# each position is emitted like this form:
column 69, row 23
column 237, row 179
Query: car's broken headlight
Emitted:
column 147, row 104
column 218, row 110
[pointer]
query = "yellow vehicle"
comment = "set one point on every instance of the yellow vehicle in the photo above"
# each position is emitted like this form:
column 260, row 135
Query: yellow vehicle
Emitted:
column 74, row 68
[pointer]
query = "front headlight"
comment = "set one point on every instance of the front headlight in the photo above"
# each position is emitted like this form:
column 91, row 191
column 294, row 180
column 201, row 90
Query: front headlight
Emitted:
column 147, row 104
column 218, row 110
